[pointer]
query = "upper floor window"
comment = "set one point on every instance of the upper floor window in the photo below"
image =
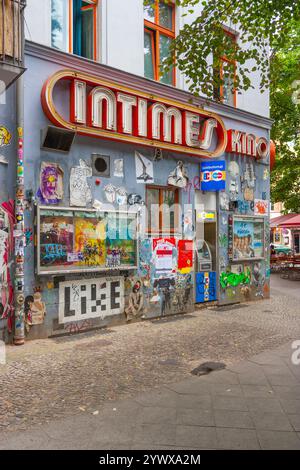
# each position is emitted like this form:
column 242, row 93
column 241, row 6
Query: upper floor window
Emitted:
column 74, row 27
column 226, row 68
column 158, row 35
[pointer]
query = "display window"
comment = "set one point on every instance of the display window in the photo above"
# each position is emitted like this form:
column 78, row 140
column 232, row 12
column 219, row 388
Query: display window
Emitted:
column 85, row 240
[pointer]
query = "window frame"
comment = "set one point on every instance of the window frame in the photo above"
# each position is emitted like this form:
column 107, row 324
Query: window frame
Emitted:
column 224, row 59
column 161, row 230
column 94, row 7
column 158, row 30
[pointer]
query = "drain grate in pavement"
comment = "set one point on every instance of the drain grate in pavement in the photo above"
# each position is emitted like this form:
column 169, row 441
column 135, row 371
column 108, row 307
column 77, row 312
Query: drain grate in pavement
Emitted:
column 171, row 319
column 227, row 308
column 207, row 368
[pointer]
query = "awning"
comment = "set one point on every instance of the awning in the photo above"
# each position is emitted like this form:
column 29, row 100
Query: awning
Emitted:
column 277, row 221
column 292, row 222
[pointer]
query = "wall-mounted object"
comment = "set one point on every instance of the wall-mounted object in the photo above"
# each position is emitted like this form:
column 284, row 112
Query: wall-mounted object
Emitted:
column 59, row 140
column 100, row 165
column 71, row 240
column 158, row 155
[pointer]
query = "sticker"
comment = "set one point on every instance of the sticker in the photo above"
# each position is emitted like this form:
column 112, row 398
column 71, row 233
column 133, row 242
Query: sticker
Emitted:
column 119, row 168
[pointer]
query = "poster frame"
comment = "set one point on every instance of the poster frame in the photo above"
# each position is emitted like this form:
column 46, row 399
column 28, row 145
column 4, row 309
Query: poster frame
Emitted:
column 261, row 219
column 81, row 269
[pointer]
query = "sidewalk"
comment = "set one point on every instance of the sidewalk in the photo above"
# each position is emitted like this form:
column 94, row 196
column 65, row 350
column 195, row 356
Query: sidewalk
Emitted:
column 254, row 404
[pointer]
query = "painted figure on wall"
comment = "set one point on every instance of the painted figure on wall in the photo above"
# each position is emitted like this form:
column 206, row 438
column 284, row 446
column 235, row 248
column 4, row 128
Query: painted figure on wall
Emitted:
column 135, row 302
column 35, row 310
column 51, row 183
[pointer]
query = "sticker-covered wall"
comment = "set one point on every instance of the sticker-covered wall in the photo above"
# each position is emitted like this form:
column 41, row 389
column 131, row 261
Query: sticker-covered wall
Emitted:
column 117, row 229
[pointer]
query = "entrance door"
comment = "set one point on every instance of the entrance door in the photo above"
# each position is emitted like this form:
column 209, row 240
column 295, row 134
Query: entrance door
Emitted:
column 206, row 247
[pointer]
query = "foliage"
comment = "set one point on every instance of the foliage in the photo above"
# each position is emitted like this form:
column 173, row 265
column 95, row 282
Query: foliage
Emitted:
column 261, row 25
column 285, row 111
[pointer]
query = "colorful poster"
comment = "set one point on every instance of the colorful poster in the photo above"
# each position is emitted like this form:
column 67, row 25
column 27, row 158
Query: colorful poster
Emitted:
column 163, row 249
column 185, row 255
column 51, row 183
column 90, row 234
column 56, row 240
column 261, row 207
column 213, row 175
column 248, row 236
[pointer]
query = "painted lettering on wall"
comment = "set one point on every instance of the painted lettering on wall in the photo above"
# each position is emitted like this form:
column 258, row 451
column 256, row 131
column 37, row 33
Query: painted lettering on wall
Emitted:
column 94, row 298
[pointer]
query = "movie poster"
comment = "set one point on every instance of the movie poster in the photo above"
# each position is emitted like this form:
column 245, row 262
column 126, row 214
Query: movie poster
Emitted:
column 56, row 240
column 89, row 247
column 248, row 236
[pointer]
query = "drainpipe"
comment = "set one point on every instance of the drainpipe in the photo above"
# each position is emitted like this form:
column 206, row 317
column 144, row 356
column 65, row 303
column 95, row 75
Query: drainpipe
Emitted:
column 19, row 232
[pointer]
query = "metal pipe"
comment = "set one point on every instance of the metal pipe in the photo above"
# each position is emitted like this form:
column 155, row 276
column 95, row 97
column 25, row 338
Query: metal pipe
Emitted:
column 19, row 232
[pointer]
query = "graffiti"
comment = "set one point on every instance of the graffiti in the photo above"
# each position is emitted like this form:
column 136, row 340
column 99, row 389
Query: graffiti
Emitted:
column 234, row 279
column 179, row 176
column 28, row 236
column 52, row 253
column 223, row 240
column 5, row 137
column 51, row 183
column 135, row 305
column 78, row 327
column 191, row 186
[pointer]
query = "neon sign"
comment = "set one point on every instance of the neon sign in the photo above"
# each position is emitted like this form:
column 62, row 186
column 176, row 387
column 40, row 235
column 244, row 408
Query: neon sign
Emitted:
column 111, row 111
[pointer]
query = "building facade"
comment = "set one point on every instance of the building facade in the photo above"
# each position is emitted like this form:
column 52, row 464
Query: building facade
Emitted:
column 139, row 200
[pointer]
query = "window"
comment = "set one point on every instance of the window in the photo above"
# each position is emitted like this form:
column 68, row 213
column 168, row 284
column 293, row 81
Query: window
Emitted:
column 74, row 27
column 225, row 68
column 158, row 35
column 162, row 209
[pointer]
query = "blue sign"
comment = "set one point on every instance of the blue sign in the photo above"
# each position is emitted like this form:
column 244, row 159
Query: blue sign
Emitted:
column 213, row 175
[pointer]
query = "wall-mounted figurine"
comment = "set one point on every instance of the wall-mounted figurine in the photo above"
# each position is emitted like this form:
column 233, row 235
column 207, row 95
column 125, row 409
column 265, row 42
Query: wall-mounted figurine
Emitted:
column 179, row 176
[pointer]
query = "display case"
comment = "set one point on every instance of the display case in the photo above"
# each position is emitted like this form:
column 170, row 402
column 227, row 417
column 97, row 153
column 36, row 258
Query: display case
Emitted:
column 82, row 240
column 248, row 235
